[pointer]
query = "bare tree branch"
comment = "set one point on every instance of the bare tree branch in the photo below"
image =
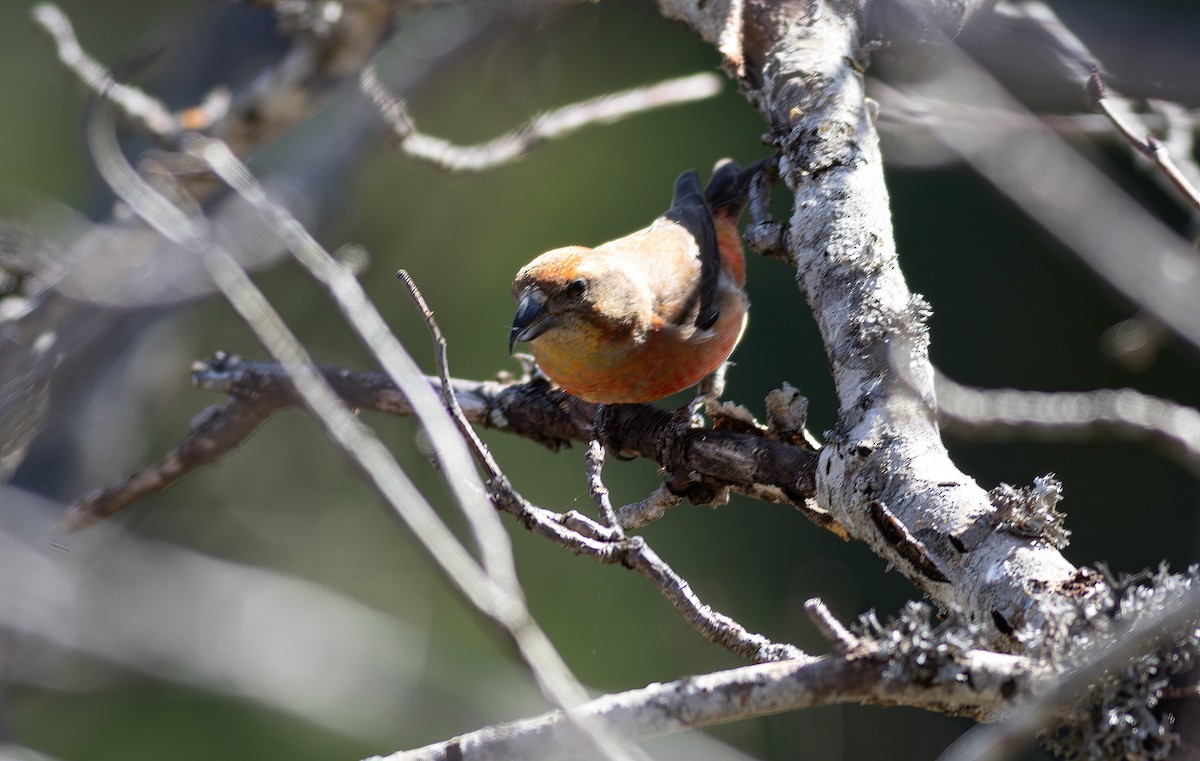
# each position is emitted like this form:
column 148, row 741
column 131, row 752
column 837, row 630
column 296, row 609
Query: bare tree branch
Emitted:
column 551, row 125
column 842, row 639
column 596, row 487
column 131, row 605
column 282, row 96
column 268, row 388
column 1105, row 230
column 752, row 463
column 961, row 682
column 648, row 510
column 289, row 89
column 215, row 433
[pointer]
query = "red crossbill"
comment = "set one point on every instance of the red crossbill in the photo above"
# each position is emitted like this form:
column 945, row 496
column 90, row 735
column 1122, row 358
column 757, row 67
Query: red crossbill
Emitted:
column 649, row 314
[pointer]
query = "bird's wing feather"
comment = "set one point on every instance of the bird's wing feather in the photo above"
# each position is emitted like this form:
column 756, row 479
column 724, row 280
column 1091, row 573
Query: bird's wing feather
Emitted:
column 690, row 211
column 667, row 261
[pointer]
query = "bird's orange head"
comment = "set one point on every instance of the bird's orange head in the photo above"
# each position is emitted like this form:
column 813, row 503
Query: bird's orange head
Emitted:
column 576, row 294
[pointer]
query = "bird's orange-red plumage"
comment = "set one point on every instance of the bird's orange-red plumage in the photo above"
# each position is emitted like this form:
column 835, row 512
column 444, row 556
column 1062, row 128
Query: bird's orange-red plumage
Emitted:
column 649, row 314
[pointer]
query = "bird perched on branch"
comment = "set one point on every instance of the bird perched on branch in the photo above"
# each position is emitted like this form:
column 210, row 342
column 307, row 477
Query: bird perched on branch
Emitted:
column 649, row 314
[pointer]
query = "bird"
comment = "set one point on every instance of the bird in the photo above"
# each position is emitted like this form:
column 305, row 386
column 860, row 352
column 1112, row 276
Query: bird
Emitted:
column 647, row 315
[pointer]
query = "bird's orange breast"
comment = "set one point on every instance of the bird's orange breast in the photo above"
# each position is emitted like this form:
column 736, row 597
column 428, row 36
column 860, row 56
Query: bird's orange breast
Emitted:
column 599, row 367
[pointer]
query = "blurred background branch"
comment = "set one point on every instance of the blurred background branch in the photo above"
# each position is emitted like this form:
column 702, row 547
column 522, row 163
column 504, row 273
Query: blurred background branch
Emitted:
column 552, row 125
column 1066, row 415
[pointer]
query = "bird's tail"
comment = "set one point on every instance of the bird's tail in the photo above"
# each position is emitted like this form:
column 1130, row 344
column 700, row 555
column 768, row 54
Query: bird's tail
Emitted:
column 728, row 189
column 688, row 191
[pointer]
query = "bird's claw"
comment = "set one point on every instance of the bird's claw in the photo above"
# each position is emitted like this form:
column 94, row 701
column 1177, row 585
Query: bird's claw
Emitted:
column 708, row 392
column 712, row 386
column 602, row 431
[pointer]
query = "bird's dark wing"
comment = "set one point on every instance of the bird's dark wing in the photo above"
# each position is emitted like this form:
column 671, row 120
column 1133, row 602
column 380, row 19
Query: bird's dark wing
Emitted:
column 690, row 210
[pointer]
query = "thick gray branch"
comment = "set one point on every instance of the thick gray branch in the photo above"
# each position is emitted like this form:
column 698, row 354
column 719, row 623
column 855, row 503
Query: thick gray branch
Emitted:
column 886, row 449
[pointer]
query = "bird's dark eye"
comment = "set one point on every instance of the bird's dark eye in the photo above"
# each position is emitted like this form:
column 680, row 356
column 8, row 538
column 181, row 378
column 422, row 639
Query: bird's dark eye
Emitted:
column 576, row 288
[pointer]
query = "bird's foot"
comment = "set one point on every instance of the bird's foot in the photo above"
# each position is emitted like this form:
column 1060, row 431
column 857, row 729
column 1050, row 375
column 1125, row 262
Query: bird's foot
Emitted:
column 673, row 444
column 674, row 440
column 602, row 431
column 674, row 437
column 709, row 392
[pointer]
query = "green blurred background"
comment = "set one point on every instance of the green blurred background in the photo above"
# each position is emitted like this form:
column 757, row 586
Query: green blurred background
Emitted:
column 1011, row 309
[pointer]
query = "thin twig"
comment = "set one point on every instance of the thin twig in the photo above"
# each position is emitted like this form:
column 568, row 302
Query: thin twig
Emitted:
column 481, row 451
column 596, row 487
column 717, row 627
column 216, row 433
column 648, row 510
column 1179, row 126
column 1149, row 146
column 502, row 493
column 605, row 541
column 842, row 639
column 552, row 125
column 1074, row 57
